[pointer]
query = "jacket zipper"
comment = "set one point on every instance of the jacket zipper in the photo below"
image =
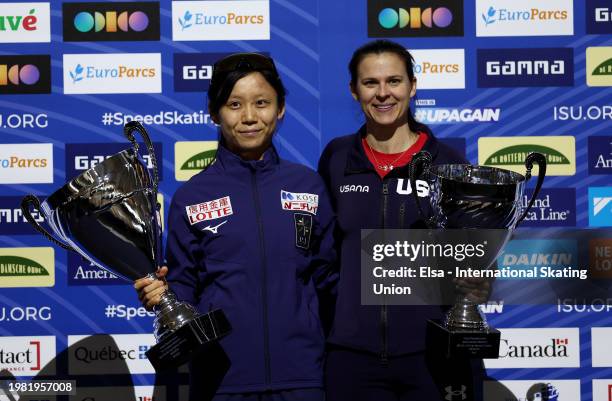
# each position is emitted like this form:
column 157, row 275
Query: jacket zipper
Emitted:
column 384, row 318
column 264, row 289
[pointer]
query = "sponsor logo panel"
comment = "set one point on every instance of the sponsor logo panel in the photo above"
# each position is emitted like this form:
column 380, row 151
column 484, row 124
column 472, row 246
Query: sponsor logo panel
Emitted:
column 25, row 74
column 25, row 23
column 600, row 258
column 601, row 352
column 27, row 355
column 524, row 17
column 600, row 154
column 25, row 313
column 553, row 254
column 209, row 210
column 83, row 156
column 303, row 202
column 136, row 393
column 575, row 113
column 112, row 73
column 191, row 157
column 397, row 18
column 26, row 163
column 537, row 348
column 554, row 207
column 532, row 390
column 221, row 20
column 108, row 354
column 83, row 272
column 525, row 67
column 510, row 153
column 599, row 66
column 192, row 71
column 439, row 68
column 600, row 206
column 98, row 21
column 602, row 389
column 12, row 221
column 451, row 115
column 598, row 17
column 27, row 267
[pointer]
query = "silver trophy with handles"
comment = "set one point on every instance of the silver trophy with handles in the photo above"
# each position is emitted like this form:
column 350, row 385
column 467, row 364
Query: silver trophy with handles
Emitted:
column 109, row 215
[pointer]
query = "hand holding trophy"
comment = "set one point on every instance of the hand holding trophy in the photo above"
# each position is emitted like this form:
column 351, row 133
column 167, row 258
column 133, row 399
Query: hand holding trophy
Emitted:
column 108, row 214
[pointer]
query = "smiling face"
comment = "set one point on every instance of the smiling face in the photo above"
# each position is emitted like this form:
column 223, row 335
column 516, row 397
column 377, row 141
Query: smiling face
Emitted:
column 248, row 118
column 384, row 89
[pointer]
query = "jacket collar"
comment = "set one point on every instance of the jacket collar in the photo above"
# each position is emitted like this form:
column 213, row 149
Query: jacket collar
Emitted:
column 229, row 162
column 358, row 162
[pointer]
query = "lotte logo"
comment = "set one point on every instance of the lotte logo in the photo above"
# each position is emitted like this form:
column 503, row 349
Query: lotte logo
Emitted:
column 14, row 74
column 111, row 21
column 441, row 17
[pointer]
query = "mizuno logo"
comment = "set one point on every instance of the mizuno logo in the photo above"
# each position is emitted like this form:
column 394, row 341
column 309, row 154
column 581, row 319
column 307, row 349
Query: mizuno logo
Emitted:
column 214, row 228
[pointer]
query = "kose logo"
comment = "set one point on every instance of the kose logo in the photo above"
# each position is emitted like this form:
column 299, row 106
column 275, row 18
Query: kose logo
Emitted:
column 111, row 21
column 598, row 15
column 192, row 71
column 523, row 18
column 25, row 22
column 25, row 74
column 415, row 18
column 221, row 20
column 525, row 67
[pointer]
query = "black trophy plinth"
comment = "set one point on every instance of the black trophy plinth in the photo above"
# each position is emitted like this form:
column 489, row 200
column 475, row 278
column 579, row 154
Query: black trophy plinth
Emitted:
column 462, row 344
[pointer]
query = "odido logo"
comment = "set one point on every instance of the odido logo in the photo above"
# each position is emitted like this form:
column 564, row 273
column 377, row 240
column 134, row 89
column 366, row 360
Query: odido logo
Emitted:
column 25, row 74
column 417, row 18
column 25, row 22
column 111, row 21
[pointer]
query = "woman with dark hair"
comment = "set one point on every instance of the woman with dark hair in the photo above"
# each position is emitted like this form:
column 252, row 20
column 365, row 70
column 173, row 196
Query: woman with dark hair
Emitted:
column 377, row 353
column 264, row 251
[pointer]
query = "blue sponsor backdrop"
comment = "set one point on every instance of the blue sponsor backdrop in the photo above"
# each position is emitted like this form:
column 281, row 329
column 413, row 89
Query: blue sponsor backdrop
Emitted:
column 311, row 42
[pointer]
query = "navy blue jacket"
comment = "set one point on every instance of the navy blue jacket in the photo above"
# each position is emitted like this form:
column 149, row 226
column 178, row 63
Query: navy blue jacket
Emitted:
column 363, row 200
column 255, row 238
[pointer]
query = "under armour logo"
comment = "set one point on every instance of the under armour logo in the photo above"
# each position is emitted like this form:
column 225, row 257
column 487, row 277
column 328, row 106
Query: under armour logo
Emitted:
column 214, row 228
column 455, row 394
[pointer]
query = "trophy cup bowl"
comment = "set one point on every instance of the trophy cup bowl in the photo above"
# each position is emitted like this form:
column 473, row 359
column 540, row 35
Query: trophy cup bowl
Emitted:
column 109, row 215
column 463, row 196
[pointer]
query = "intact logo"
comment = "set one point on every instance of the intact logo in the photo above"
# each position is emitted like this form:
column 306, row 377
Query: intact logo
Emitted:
column 600, row 155
column 191, row 157
column 27, row 355
column 510, row 153
column 83, row 156
column 602, row 390
column 601, row 353
column 25, row 75
column 598, row 15
column 440, row 115
column 101, row 354
column 110, row 21
column 209, row 210
column 439, row 68
column 301, row 202
column 557, row 254
column 525, row 67
column 25, row 23
column 600, row 206
column 27, row 267
column 599, row 66
column 112, row 73
column 221, row 20
column 192, row 71
column 554, row 207
column 416, row 18
column 537, row 348
column 83, row 272
column 524, row 18
column 532, row 390
column 404, row 187
column 12, row 221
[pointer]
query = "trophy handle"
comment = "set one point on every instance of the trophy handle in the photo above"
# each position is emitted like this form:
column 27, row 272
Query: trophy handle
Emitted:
column 420, row 163
column 540, row 160
column 136, row 126
column 26, row 203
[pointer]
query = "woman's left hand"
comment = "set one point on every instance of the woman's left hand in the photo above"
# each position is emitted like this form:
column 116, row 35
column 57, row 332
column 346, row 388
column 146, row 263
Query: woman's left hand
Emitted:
column 476, row 290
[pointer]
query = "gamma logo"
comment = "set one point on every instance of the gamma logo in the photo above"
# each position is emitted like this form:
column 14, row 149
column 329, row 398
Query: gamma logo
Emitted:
column 599, row 66
column 598, row 18
column 600, row 206
column 27, row 267
column 110, row 21
column 25, row 23
column 25, row 74
column 525, row 67
column 192, row 71
column 192, row 157
column 416, row 18
column 12, row 221
column 510, row 153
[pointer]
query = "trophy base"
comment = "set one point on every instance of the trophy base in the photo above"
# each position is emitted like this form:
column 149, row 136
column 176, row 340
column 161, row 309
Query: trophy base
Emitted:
column 462, row 344
column 176, row 348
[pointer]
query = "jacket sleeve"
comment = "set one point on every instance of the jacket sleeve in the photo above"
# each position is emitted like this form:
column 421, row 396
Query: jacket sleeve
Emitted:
column 184, row 256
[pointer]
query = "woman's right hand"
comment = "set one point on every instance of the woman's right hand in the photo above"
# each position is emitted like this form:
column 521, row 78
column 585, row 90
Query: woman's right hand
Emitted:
column 149, row 291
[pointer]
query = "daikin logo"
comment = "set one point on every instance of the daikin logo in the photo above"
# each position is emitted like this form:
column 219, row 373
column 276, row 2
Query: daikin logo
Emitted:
column 25, row 22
